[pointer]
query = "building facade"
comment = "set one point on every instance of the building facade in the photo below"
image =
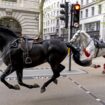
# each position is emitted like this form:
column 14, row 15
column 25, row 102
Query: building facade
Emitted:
column 53, row 27
column 22, row 16
column 92, row 18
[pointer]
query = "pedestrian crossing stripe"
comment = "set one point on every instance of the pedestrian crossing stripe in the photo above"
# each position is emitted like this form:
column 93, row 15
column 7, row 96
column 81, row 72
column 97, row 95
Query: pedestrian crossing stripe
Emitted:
column 35, row 77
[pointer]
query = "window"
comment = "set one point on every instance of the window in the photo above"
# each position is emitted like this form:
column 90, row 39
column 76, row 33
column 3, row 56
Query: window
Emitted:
column 94, row 26
column 57, row 13
column 57, row 4
column 87, row 1
column 10, row 0
column 11, row 23
column 99, row 9
column 80, row 27
column 92, row 11
column 86, row 12
column 81, row 14
column 81, row 2
column 57, row 22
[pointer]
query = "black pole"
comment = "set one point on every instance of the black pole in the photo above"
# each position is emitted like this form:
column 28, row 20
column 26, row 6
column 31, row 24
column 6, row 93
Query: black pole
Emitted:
column 71, row 26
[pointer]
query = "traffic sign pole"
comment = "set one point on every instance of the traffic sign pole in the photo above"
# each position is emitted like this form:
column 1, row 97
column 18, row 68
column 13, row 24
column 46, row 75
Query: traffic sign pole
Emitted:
column 71, row 29
column 74, row 22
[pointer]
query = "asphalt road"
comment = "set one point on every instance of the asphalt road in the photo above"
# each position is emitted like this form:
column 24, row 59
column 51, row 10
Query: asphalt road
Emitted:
column 77, row 88
column 82, row 89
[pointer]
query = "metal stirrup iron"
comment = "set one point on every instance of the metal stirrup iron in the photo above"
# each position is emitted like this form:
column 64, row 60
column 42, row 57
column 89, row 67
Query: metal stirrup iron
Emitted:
column 28, row 60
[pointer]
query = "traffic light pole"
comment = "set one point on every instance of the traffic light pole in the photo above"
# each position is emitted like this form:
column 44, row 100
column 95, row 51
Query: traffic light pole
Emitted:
column 71, row 29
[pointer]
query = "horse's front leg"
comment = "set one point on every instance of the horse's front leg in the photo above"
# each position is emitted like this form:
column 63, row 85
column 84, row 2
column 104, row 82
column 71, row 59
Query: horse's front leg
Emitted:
column 56, row 74
column 19, row 73
column 43, row 88
column 8, row 71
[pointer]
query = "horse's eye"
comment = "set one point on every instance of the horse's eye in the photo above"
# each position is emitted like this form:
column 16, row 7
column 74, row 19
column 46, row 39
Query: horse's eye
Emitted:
column 77, row 34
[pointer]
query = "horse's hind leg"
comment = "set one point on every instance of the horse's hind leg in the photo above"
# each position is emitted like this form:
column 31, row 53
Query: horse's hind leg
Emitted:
column 56, row 73
column 8, row 71
column 20, row 78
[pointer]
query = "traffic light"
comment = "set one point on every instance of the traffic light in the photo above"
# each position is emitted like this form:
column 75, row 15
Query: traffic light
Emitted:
column 64, row 13
column 76, row 14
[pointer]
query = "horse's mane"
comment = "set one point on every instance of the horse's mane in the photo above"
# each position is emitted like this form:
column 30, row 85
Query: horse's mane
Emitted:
column 86, row 34
column 8, row 31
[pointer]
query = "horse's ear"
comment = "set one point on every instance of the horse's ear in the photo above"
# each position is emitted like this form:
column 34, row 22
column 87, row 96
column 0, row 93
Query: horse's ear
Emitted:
column 78, row 31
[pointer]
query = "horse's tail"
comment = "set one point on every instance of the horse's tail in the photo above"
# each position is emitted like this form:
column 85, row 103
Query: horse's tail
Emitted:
column 76, row 55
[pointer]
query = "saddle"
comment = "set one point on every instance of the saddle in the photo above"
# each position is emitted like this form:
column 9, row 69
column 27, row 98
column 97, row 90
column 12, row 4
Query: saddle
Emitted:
column 26, row 45
column 99, row 44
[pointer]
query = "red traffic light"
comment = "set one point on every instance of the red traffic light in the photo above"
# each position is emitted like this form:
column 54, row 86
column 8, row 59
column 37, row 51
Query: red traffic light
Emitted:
column 77, row 6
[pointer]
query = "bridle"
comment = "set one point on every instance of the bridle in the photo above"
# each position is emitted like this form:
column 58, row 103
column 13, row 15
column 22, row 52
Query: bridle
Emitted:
column 80, row 42
column 86, row 44
column 97, row 48
column 13, row 44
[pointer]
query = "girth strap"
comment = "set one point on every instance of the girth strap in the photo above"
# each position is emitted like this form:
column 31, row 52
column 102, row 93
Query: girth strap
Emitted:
column 26, row 46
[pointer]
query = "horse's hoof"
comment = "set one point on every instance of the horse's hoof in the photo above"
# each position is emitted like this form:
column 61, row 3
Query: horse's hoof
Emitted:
column 55, row 81
column 36, row 86
column 16, row 87
column 43, row 90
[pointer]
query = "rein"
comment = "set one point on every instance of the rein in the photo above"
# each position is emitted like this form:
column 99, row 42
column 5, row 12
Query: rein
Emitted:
column 13, row 44
column 97, row 52
column 97, row 48
column 89, row 43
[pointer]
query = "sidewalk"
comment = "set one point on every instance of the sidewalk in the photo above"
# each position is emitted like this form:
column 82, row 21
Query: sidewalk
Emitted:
column 45, row 69
column 46, row 65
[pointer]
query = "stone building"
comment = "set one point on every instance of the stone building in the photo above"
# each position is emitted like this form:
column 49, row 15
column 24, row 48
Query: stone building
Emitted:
column 22, row 16
column 92, row 18
column 52, row 26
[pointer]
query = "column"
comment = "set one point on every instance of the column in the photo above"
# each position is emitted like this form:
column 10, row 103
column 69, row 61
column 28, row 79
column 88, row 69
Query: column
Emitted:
column 102, row 28
column 21, row 2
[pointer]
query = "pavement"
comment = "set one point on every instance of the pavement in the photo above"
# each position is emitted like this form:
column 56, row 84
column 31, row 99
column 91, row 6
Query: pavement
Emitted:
column 65, row 93
column 44, row 70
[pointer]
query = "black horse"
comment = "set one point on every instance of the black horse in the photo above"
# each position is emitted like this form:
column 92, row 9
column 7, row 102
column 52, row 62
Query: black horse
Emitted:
column 51, row 51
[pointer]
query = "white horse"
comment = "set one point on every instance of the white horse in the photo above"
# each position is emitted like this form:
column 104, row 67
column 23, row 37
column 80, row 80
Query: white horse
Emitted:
column 87, row 45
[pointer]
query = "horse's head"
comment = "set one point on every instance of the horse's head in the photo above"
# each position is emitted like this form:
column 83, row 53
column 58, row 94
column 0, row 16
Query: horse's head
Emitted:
column 77, row 56
column 80, row 38
column 85, row 42
column 6, row 36
column 76, row 37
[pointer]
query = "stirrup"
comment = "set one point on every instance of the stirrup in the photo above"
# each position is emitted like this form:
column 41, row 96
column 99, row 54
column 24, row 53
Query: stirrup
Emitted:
column 14, row 45
column 28, row 60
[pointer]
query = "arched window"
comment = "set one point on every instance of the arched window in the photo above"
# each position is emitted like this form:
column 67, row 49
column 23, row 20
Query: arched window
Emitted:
column 12, row 24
